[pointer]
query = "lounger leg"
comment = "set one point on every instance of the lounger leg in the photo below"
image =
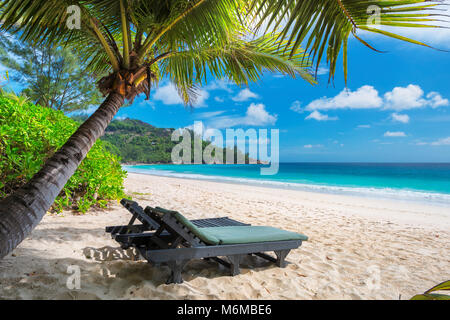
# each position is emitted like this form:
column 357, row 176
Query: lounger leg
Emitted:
column 265, row 256
column 281, row 256
column 235, row 260
column 176, row 268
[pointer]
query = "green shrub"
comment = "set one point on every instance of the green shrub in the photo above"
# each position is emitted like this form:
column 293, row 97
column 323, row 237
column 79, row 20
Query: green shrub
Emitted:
column 30, row 134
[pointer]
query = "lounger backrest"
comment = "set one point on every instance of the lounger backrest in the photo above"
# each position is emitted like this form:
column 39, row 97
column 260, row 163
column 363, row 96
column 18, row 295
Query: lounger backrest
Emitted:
column 175, row 219
column 138, row 213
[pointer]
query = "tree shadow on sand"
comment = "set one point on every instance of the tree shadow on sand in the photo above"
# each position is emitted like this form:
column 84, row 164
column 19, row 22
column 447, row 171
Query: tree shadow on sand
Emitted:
column 106, row 272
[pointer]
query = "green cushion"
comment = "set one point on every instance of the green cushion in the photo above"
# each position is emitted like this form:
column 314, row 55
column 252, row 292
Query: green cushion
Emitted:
column 199, row 232
column 249, row 234
column 238, row 234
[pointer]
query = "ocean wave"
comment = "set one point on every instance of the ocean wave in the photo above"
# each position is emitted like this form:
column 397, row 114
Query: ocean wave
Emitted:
column 387, row 193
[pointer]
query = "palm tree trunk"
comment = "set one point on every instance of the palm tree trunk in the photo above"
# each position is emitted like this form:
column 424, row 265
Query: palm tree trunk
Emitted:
column 21, row 211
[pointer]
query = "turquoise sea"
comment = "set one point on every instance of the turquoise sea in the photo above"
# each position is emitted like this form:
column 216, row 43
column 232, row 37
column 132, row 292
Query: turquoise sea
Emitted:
column 429, row 182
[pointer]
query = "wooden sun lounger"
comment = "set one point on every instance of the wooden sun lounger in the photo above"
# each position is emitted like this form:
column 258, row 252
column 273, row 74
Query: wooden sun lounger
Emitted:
column 148, row 224
column 177, row 240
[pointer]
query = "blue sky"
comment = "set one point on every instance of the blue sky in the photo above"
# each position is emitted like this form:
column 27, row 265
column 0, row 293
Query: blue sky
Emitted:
column 397, row 107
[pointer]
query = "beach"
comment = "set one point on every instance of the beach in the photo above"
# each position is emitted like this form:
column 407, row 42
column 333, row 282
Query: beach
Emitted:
column 358, row 248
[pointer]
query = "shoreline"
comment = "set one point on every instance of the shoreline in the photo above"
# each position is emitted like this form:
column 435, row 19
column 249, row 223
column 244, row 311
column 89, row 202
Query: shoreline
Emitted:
column 417, row 213
column 371, row 193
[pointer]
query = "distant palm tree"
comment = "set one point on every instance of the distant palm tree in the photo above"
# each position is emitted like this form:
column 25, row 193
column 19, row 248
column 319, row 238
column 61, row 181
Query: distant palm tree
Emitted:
column 141, row 41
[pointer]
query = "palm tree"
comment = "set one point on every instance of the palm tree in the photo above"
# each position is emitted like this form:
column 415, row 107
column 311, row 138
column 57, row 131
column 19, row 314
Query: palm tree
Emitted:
column 139, row 42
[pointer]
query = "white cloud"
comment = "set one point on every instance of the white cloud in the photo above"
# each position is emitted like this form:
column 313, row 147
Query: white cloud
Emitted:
column 200, row 99
column 168, row 95
column 310, row 146
column 220, row 85
column 122, row 117
column 404, row 98
column 365, row 97
column 245, row 95
column 89, row 111
column 256, row 115
column 209, row 114
column 436, row 100
column 412, row 97
column 316, row 115
column 296, row 106
column 403, row 118
column 364, row 126
column 394, row 134
column 322, row 70
column 442, row 142
column 278, row 75
column 219, row 99
column 148, row 103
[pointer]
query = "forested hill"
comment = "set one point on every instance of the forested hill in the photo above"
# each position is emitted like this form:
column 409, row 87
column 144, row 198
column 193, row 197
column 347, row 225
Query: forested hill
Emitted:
column 138, row 142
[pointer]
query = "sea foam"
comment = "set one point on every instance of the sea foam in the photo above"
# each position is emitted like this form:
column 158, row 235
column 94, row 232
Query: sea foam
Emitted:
column 372, row 192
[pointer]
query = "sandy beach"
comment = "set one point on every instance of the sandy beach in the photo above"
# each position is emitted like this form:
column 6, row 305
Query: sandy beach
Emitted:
column 358, row 248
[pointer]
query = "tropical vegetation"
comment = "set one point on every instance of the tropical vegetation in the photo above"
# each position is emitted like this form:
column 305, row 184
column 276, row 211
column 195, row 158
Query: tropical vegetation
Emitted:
column 52, row 77
column 135, row 141
column 30, row 134
column 135, row 43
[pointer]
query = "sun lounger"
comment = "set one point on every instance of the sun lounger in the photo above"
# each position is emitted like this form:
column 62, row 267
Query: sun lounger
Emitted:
column 178, row 240
column 148, row 224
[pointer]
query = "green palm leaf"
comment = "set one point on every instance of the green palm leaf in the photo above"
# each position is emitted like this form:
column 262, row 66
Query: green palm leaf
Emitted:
column 238, row 60
column 131, row 34
column 324, row 26
column 427, row 295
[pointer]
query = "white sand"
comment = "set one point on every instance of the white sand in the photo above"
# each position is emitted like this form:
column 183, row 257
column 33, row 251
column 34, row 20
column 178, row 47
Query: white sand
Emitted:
column 358, row 248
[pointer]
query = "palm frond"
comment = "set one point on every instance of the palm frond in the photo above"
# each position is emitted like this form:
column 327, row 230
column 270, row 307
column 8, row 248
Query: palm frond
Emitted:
column 323, row 27
column 212, row 35
column 239, row 61
column 43, row 23
column 191, row 22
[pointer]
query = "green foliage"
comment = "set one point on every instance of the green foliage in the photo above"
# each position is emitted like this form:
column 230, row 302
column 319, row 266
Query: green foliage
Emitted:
column 121, row 35
column 30, row 134
column 323, row 27
column 19, row 100
column 428, row 295
column 138, row 142
column 177, row 39
column 52, row 77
